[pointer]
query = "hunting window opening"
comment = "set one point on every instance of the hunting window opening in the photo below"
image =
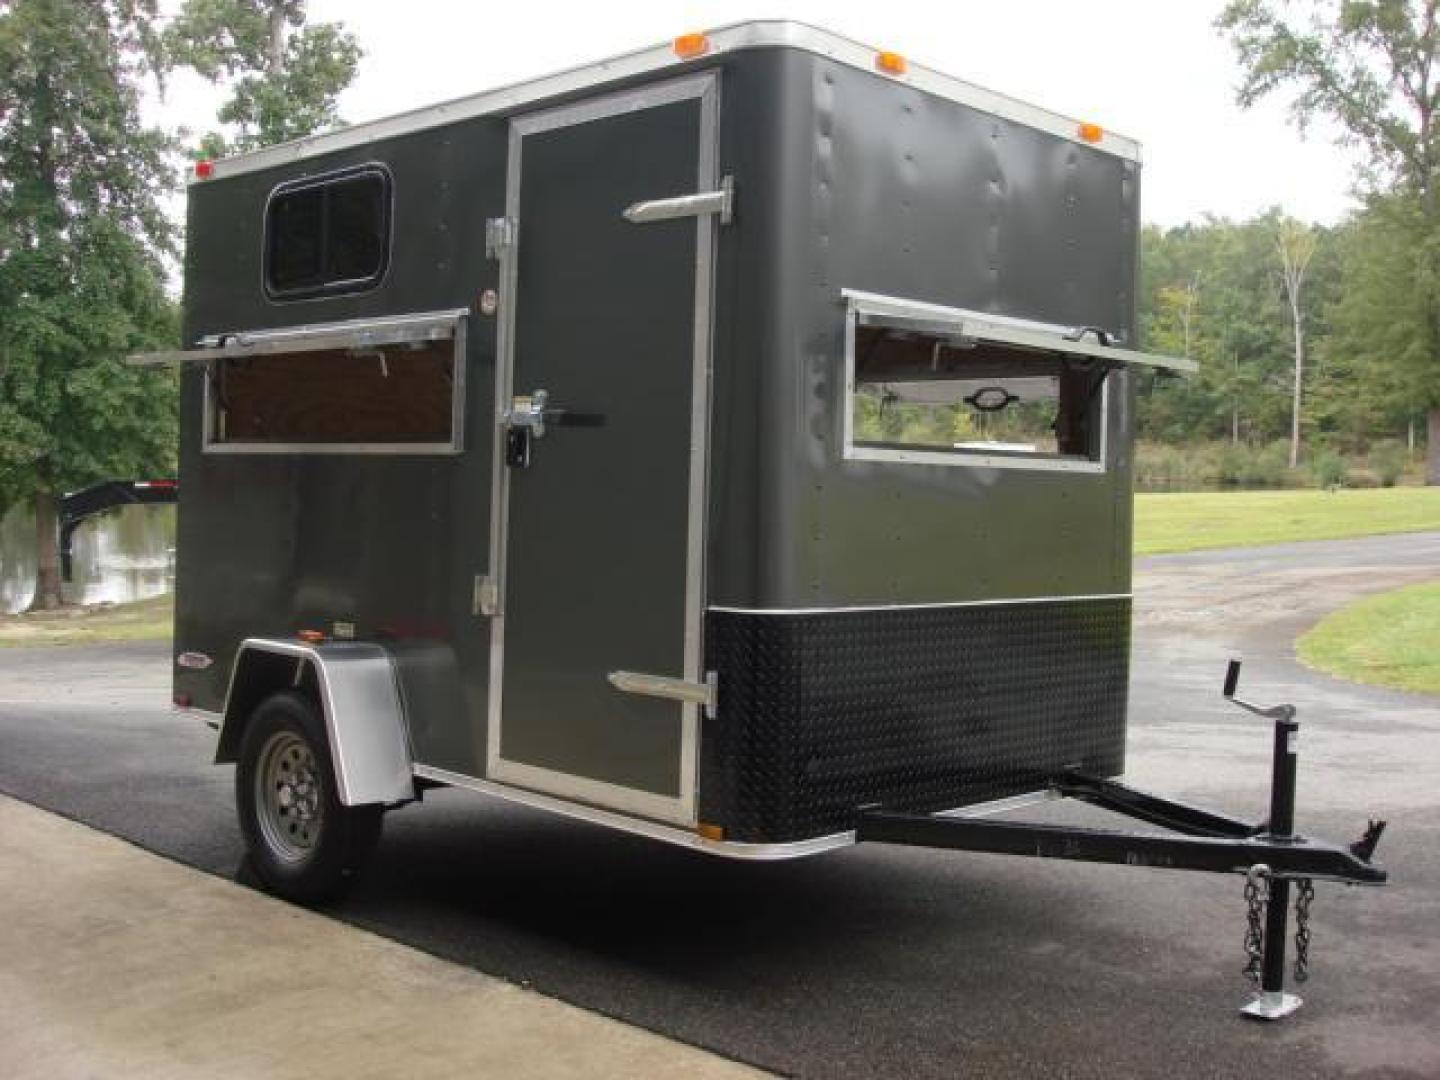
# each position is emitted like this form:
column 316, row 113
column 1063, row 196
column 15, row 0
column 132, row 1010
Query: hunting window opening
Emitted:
column 934, row 391
column 393, row 386
column 328, row 235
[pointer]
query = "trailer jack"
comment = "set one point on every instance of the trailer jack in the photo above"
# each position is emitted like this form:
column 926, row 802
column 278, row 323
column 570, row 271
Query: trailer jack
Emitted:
column 1270, row 855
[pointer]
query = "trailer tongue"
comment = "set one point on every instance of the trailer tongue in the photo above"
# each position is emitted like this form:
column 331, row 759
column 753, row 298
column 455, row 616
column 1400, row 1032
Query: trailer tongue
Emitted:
column 1270, row 854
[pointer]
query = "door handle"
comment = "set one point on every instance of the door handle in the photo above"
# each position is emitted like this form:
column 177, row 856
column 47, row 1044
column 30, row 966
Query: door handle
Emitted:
column 528, row 418
column 534, row 413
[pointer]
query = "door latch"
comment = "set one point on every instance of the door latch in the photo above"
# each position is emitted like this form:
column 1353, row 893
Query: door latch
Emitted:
column 527, row 419
column 524, row 420
column 720, row 202
column 527, row 412
column 705, row 694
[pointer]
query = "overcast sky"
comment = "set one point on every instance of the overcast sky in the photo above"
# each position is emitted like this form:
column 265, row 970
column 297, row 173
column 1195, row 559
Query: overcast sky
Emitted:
column 1151, row 69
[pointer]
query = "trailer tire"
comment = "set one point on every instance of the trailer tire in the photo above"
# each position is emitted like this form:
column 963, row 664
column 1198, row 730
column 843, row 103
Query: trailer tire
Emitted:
column 303, row 843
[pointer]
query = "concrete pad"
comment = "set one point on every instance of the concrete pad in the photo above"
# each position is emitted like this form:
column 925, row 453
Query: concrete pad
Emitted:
column 117, row 963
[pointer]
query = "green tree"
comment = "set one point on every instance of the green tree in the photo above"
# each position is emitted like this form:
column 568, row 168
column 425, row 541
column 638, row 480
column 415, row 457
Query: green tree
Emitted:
column 285, row 76
column 1369, row 66
column 1210, row 291
column 1379, row 343
column 1295, row 244
column 81, row 236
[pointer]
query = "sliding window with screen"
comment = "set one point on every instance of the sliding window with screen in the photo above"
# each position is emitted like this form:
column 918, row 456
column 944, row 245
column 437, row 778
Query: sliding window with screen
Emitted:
column 933, row 385
column 329, row 234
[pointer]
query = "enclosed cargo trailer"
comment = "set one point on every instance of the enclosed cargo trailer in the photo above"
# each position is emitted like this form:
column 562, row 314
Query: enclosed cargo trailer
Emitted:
column 718, row 443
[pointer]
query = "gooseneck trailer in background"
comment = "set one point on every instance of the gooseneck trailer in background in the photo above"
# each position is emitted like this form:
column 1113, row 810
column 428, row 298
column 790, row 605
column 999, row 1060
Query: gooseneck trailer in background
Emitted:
column 729, row 443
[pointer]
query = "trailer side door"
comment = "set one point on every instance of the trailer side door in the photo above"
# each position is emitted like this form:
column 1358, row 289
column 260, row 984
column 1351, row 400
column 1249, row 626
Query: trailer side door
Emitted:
column 600, row 452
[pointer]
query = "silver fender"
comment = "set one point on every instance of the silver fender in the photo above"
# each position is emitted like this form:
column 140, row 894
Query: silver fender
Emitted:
column 361, row 702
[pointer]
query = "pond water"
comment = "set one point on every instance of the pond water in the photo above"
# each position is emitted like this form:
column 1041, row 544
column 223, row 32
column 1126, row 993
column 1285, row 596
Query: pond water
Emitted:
column 124, row 554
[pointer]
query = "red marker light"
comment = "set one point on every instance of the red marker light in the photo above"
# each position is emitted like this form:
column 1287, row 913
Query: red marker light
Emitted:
column 204, row 169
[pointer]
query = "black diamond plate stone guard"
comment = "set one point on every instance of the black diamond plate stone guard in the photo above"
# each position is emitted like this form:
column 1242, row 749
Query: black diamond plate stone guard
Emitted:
column 916, row 709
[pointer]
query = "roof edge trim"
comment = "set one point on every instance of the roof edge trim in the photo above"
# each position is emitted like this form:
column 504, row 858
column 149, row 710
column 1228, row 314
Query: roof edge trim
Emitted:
column 728, row 39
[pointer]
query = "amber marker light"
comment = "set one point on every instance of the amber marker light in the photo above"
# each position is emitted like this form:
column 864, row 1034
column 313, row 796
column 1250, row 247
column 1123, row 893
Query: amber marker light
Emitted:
column 891, row 63
column 1091, row 133
column 311, row 637
column 711, row 832
column 689, row 46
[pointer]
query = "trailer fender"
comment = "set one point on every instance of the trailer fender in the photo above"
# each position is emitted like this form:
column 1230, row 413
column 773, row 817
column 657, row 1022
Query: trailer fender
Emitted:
column 356, row 691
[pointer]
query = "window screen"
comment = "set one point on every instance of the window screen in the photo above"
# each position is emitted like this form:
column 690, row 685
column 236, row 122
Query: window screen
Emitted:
column 329, row 234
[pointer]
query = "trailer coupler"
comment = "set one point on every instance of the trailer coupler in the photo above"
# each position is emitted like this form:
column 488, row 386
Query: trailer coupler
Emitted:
column 1270, row 854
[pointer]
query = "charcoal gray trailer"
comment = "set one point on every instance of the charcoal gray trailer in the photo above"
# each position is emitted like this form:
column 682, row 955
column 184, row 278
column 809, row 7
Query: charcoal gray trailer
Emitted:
column 730, row 443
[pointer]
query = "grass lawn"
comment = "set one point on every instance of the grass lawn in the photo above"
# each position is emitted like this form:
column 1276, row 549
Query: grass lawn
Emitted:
column 144, row 620
column 1188, row 521
column 1391, row 639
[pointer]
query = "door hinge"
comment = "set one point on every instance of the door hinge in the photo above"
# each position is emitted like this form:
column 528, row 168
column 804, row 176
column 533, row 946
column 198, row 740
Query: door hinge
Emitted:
column 485, row 599
column 499, row 236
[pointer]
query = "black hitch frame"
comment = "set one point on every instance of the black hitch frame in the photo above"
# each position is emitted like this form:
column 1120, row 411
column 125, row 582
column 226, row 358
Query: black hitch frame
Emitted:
column 77, row 507
column 1198, row 839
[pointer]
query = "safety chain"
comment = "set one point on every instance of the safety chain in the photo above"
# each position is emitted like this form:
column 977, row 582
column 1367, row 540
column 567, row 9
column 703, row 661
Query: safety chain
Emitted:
column 1304, row 895
column 1256, row 898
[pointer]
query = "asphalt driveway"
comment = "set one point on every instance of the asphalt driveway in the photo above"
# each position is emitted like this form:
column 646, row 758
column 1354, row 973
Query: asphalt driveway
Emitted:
column 890, row 962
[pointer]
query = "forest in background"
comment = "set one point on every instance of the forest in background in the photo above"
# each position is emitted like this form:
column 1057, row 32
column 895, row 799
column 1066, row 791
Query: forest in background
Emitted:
column 1215, row 291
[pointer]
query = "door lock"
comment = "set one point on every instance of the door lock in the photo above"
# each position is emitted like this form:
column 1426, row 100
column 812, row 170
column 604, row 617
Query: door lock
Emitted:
column 517, row 447
column 527, row 413
column 527, row 419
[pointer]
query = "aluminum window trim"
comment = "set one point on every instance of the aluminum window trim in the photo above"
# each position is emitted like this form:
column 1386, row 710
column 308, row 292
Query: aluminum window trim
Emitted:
column 312, row 337
column 316, row 337
column 938, row 318
column 874, row 309
column 731, row 38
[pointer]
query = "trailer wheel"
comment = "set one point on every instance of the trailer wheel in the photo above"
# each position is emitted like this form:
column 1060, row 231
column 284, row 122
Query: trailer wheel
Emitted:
column 304, row 843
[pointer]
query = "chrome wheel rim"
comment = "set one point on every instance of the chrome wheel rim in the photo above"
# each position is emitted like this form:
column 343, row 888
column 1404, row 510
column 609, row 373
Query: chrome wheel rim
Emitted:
column 288, row 800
